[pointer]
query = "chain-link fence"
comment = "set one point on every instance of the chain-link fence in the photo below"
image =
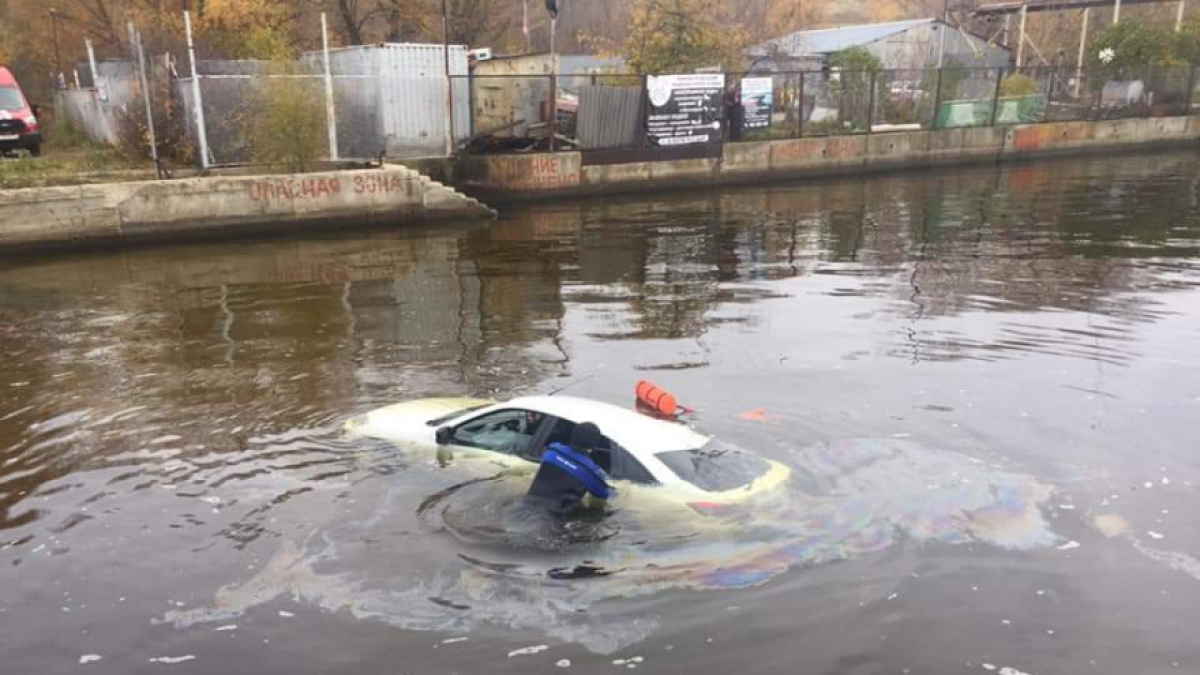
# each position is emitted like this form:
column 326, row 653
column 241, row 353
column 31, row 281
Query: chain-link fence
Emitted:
column 611, row 112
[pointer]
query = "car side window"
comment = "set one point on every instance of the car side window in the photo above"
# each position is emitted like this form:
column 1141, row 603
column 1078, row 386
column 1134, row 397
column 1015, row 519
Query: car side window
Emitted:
column 507, row 431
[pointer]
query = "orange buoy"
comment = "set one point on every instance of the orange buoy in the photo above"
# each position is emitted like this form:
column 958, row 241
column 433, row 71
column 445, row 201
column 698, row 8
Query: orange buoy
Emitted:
column 654, row 396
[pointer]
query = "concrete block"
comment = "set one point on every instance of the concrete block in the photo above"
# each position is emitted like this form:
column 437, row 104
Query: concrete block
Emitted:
column 543, row 171
column 596, row 177
column 684, row 170
column 750, row 157
column 834, row 151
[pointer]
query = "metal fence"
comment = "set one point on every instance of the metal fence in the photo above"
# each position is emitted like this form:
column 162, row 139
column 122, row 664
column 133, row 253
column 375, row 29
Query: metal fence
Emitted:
column 516, row 113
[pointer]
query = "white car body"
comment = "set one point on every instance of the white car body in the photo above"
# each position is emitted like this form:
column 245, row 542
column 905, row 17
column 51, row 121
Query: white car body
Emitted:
column 415, row 425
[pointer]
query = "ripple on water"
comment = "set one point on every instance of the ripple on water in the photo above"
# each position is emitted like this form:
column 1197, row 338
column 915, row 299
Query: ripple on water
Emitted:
column 850, row 499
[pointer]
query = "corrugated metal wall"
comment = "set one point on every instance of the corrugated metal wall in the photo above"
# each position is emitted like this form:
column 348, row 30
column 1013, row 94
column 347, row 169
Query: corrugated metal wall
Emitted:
column 406, row 87
column 609, row 117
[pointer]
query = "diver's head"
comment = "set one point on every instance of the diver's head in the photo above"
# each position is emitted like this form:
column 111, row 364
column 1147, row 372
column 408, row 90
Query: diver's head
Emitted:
column 586, row 437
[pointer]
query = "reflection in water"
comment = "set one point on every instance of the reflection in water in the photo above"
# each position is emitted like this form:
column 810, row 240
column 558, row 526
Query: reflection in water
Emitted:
column 857, row 497
column 166, row 413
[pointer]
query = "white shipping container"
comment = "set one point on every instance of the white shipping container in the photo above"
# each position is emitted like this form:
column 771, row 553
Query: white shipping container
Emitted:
column 406, row 84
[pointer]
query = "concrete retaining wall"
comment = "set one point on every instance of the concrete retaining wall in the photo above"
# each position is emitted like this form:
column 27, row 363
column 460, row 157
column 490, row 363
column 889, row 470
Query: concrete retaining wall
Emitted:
column 516, row 177
column 164, row 209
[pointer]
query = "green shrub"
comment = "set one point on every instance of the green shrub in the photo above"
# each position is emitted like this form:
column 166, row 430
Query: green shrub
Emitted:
column 1018, row 85
column 288, row 125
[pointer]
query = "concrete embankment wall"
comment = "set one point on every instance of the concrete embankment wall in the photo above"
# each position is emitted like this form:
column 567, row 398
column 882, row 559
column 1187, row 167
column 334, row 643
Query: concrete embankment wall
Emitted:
column 194, row 206
column 545, row 175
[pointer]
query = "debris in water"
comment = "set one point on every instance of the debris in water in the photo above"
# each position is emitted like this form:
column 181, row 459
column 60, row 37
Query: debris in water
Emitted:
column 1154, row 535
column 232, row 626
column 988, row 666
column 1111, row 525
column 563, row 663
column 88, row 658
column 172, row 659
column 285, row 614
column 450, row 641
column 528, row 651
column 1006, row 670
column 893, row 596
column 1068, row 546
column 756, row 415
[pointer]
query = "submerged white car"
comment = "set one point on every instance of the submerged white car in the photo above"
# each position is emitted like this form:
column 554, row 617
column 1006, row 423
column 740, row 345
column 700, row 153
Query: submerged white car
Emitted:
column 650, row 458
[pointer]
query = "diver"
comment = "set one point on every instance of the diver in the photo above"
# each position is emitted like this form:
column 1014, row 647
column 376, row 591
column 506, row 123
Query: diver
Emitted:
column 570, row 472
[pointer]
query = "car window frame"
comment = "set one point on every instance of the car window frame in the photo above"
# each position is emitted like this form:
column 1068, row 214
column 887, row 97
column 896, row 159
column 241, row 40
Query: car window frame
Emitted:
column 614, row 448
column 538, row 433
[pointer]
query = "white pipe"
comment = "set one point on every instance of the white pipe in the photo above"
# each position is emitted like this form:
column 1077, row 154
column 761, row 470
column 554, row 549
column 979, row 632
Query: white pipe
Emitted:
column 1179, row 15
column 91, row 51
column 1021, row 39
column 201, row 134
column 1087, row 15
column 135, row 41
column 1117, row 12
column 330, row 112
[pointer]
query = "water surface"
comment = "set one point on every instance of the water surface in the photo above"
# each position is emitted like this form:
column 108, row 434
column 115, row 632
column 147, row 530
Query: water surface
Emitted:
column 985, row 381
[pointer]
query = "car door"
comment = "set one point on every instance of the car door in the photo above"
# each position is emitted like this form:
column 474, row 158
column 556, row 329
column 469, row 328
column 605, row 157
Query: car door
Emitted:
column 505, row 437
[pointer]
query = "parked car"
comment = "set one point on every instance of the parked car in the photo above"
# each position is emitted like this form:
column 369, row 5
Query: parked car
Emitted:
column 654, row 463
column 19, row 128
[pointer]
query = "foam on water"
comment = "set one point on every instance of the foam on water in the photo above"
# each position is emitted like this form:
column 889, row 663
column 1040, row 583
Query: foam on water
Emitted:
column 847, row 499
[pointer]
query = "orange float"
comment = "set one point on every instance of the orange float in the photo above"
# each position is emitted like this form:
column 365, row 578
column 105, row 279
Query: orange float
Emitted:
column 657, row 398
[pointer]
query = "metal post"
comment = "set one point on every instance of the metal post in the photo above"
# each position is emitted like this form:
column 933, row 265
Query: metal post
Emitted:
column 943, row 29
column 871, row 101
column 1117, row 12
column 1179, row 15
column 330, row 111
column 91, row 52
column 937, row 100
column 201, row 134
column 1007, row 29
column 54, row 30
column 449, row 82
column 1087, row 15
column 996, row 95
column 800, row 111
column 135, row 42
column 553, row 121
column 644, row 104
column 1191, row 92
column 1021, row 37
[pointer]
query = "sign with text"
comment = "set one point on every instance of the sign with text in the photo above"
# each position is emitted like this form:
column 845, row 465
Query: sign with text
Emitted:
column 684, row 109
column 758, row 97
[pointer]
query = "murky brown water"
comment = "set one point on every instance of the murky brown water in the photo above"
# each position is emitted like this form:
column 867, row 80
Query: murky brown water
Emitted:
column 995, row 369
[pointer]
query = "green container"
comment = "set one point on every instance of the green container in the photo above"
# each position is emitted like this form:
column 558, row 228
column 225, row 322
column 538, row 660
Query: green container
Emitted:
column 978, row 112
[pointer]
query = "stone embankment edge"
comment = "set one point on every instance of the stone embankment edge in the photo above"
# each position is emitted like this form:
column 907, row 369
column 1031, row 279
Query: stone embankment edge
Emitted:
column 508, row 178
column 229, row 205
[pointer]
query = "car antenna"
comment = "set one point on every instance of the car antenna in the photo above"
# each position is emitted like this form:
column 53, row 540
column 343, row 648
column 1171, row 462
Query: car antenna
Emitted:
column 572, row 384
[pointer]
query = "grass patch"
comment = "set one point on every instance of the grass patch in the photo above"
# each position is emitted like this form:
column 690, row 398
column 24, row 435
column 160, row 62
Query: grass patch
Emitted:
column 68, row 160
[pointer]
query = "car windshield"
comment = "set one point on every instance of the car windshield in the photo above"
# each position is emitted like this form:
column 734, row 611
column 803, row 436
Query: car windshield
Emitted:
column 10, row 99
column 715, row 467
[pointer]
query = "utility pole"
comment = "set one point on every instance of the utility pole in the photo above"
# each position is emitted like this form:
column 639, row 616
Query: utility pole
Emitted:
column 54, row 30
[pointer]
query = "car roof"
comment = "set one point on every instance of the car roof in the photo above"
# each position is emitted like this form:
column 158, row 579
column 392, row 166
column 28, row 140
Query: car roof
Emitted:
column 6, row 78
column 642, row 436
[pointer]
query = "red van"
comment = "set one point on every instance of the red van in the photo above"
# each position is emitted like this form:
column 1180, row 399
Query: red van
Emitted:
column 18, row 119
